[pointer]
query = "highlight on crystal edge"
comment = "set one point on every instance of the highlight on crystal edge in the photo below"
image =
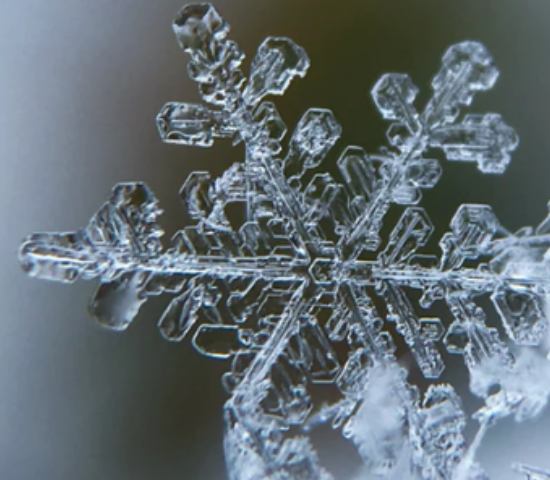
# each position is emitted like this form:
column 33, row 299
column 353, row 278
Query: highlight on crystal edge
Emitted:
column 282, row 295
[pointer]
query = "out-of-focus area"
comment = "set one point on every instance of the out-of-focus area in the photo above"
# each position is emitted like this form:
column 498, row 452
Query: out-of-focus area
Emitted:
column 80, row 85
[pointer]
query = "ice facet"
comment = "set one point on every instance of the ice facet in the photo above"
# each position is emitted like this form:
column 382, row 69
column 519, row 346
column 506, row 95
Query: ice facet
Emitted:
column 315, row 134
column 181, row 314
column 467, row 68
column 484, row 139
column 277, row 62
column 194, row 125
column 197, row 25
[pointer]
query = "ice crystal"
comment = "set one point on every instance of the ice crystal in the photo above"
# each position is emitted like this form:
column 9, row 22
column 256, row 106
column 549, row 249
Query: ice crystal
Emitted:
column 303, row 276
column 532, row 473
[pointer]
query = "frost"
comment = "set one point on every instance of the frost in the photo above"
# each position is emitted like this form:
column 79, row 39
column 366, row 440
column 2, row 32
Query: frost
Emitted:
column 308, row 276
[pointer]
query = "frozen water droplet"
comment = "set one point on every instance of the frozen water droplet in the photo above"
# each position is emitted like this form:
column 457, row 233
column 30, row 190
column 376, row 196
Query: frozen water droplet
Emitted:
column 115, row 304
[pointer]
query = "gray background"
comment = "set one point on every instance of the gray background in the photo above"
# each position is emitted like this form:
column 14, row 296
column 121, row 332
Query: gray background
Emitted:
column 80, row 85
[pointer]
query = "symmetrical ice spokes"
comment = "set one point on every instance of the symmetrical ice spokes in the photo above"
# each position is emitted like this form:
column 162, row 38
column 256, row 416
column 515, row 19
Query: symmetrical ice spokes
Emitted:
column 238, row 109
column 467, row 68
column 286, row 291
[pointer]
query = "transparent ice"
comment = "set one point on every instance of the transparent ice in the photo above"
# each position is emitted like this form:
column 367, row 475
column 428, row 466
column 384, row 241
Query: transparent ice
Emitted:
column 532, row 473
column 304, row 290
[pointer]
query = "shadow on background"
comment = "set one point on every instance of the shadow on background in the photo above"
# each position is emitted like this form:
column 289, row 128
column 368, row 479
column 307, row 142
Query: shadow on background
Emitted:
column 81, row 84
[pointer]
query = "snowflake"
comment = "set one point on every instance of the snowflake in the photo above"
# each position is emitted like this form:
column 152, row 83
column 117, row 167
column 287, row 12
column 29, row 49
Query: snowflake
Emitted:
column 283, row 294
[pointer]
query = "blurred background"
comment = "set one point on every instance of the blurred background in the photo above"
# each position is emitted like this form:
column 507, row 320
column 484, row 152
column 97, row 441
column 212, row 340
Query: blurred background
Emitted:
column 80, row 85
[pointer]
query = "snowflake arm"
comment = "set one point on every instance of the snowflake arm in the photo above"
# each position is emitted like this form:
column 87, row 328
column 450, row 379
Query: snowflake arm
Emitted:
column 467, row 68
column 531, row 473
